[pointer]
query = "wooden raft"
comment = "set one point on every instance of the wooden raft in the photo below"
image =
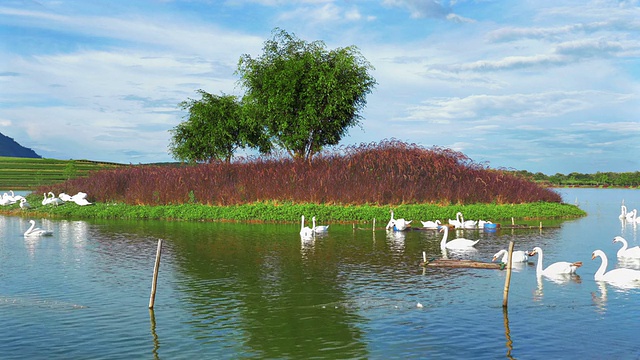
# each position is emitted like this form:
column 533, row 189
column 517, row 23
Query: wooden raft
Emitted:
column 452, row 263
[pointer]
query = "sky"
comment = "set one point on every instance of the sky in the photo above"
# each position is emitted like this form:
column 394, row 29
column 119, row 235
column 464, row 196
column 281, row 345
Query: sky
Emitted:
column 543, row 86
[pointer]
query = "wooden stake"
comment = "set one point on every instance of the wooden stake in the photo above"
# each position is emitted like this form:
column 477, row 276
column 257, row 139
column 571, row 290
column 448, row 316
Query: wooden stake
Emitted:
column 152, row 299
column 507, row 281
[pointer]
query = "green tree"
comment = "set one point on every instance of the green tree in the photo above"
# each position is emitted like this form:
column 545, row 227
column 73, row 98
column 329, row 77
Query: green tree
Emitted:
column 305, row 96
column 214, row 130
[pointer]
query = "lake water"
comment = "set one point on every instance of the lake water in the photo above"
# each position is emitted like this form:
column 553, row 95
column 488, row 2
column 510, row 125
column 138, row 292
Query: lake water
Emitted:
column 257, row 291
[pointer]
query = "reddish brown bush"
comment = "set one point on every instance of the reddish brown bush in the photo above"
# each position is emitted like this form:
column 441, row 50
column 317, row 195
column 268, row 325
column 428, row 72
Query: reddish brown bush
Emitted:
column 389, row 172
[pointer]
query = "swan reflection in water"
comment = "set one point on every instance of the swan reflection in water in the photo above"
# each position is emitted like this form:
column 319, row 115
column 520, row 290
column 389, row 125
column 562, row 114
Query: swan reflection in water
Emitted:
column 396, row 240
column 559, row 279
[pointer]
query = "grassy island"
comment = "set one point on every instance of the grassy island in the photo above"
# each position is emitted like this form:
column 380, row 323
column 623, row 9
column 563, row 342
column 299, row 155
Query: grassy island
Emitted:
column 354, row 183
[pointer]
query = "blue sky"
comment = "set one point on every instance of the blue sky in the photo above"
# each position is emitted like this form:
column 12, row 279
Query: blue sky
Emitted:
column 543, row 86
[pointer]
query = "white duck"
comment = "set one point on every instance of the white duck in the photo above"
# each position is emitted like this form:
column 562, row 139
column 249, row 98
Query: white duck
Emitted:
column 632, row 252
column 620, row 275
column 319, row 228
column 455, row 244
column 431, row 224
column 24, row 204
column 516, row 256
column 557, row 268
column 33, row 231
column 305, row 230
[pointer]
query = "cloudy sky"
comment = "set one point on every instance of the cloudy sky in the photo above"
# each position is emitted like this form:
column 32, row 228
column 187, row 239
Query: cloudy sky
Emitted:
column 544, row 86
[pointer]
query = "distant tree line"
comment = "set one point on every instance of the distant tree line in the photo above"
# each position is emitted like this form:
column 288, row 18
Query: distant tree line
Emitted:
column 622, row 179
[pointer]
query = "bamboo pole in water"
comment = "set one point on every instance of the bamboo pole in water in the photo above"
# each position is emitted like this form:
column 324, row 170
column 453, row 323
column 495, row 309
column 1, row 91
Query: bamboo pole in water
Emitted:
column 507, row 280
column 152, row 299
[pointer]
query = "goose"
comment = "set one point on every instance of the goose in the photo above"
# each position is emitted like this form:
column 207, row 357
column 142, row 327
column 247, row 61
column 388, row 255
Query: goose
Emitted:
column 319, row 228
column 397, row 224
column 34, row 231
column 305, row 230
column 24, row 204
column 454, row 244
column 53, row 200
column 431, row 224
column 557, row 268
column 516, row 256
column 620, row 275
column 632, row 252
column 623, row 212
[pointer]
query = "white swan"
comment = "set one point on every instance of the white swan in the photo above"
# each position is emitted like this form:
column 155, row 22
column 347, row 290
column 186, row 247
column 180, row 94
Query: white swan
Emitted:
column 623, row 212
column 319, row 228
column 431, row 224
column 558, row 268
column 455, row 244
column 620, row 275
column 632, row 252
column 467, row 224
column 397, row 224
column 81, row 201
column 631, row 214
column 53, row 200
column 46, row 199
column 305, row 230
column 65, row 197
column 456, row 223
column 516, row 256
column 6, row 200
column 24, row 204
column 33, row 231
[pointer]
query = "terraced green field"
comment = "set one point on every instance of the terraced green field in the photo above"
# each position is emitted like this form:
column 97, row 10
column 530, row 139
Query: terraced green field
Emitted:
column 29, row 173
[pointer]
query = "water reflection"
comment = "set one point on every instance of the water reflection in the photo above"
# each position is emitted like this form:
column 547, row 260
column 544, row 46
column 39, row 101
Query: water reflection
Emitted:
column 396, row 240
column 154, row 335
column 507, row 332
column 559, row 279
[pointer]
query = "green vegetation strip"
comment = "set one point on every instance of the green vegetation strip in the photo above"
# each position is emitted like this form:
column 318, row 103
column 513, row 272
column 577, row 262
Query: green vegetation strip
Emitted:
column 289, row 212
column 29, row 173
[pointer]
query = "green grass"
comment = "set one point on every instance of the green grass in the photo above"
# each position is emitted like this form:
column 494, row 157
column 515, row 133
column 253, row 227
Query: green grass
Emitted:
column 30, row 173
column 290, row 212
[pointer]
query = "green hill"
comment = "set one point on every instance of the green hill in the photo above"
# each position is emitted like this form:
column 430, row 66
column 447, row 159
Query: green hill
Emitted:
column 22, row 173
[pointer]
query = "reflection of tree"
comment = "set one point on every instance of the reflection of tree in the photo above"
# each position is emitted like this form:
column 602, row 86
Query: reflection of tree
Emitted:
column 249, row 287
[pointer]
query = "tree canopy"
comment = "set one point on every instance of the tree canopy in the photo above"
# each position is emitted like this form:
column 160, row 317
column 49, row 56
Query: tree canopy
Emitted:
column 214, row 130
column 303, row 95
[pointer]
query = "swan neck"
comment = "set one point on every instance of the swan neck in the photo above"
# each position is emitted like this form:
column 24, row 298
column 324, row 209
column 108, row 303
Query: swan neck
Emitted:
column 443, row 242
column 603, row 266
column 539, row 265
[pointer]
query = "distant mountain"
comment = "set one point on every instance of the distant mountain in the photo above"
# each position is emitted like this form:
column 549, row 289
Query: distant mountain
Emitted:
column 9, row 147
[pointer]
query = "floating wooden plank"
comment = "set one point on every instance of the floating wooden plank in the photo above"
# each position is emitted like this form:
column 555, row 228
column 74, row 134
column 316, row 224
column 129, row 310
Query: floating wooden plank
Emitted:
column 452, row 263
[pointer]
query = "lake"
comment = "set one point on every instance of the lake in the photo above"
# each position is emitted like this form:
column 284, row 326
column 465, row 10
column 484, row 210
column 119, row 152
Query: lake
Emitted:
column 229, row 291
